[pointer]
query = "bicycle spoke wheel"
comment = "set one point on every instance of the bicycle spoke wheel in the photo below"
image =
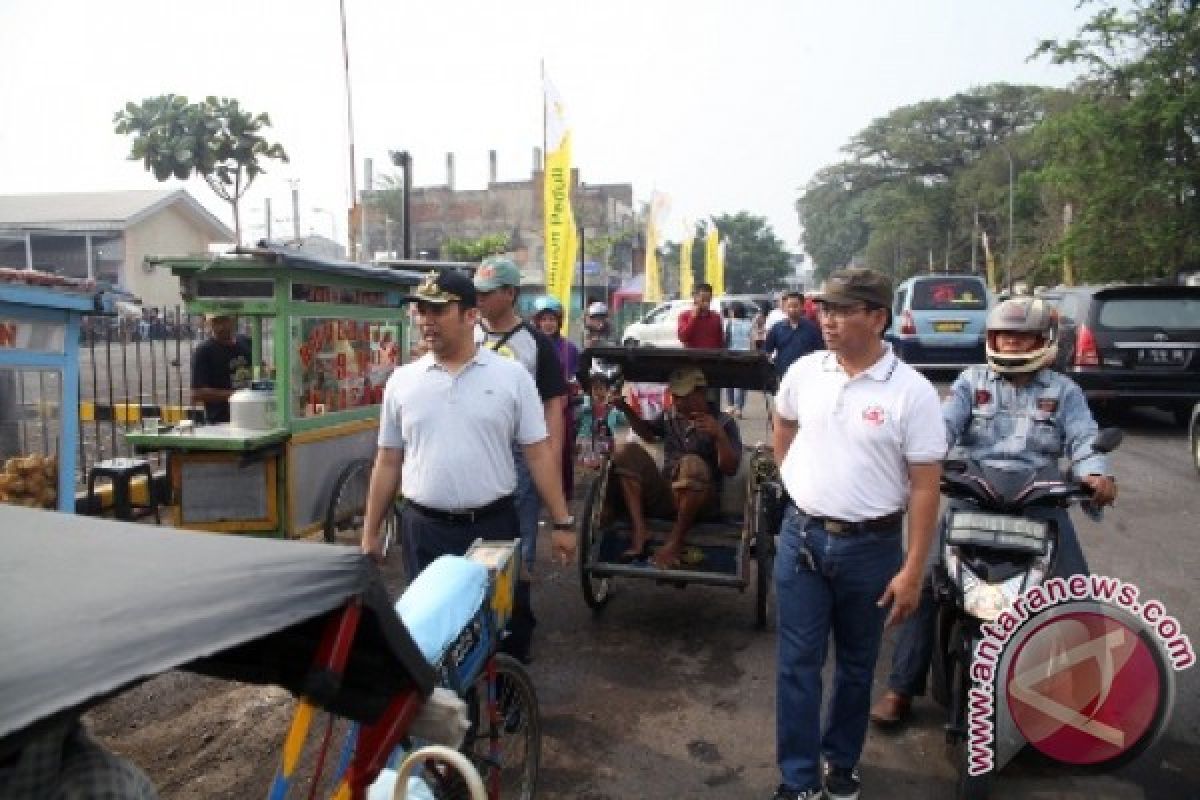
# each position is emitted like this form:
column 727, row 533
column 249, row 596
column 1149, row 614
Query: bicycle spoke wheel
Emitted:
column 509, row 752
column 348, row 503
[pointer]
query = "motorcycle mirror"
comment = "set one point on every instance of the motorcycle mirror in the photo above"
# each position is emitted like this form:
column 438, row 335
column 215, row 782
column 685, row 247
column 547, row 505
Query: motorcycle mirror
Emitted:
column 1107, row 440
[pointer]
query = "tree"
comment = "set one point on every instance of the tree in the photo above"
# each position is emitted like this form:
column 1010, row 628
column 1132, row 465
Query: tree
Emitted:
column 215, row 139
column 755, row 258
column 1128, row 156
column 491, row 244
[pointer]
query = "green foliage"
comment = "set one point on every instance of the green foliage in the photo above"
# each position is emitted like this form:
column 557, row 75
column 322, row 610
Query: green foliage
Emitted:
column 214, row 139
column 1127, row 156
column 755, row 258
column 491, row 244
column 918, row 180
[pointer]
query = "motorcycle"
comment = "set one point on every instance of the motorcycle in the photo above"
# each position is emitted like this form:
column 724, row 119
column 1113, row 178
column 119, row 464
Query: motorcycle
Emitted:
column 994, row 548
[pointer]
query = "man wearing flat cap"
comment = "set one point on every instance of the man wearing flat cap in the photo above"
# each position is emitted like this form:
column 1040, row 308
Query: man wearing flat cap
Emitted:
column 446, row 432
column 859, row 438
column 700, row 445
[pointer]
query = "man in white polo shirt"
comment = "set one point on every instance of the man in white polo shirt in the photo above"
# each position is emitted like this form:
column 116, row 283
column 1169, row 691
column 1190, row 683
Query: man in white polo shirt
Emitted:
column 859, row 438
column 446, row 432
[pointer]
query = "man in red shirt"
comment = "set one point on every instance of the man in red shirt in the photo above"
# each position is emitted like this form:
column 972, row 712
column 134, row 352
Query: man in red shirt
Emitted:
column 700, row 326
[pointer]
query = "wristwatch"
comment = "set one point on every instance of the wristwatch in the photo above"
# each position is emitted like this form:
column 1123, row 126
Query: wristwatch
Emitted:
column 566, row 525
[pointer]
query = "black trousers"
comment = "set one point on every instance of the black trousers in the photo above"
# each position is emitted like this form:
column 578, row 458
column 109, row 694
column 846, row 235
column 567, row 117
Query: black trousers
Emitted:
column 425, row 538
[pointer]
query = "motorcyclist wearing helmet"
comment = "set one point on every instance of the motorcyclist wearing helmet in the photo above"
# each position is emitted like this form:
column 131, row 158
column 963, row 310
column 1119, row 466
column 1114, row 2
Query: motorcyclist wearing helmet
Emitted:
column 1014, row 409
column 548, row 317
column 597, row 328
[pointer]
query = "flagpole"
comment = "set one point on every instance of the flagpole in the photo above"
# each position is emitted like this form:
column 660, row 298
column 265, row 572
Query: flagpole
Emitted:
column 543, row 65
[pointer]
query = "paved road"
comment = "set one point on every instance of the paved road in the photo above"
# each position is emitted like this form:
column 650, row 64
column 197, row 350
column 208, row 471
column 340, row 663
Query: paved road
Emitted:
column 670, row 693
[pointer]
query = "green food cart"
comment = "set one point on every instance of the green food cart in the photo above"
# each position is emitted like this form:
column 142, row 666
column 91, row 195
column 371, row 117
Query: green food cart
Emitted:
column 325, row 336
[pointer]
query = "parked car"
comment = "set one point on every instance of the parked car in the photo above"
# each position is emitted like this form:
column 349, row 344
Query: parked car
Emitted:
column 1194, row 436
column 658, row 328
column 1132, row 345
column 939, row 321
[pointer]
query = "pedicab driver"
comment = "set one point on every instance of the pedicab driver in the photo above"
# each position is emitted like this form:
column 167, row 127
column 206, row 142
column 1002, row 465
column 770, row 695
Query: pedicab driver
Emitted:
column 445, row 435
column 859, row 439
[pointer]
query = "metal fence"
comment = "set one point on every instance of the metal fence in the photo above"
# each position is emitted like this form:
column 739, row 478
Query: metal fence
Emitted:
column 132, row 369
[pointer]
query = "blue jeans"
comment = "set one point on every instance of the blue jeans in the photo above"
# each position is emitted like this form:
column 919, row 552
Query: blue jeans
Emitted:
column 836, row 592
column 528, row 506
column 914, row 642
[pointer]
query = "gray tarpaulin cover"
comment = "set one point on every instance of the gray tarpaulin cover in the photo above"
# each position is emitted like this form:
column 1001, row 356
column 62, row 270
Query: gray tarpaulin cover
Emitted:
column 88, row 607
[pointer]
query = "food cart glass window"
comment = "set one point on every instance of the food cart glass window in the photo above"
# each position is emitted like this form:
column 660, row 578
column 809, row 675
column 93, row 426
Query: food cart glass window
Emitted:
column 39, row 337
column 29, row 436
column 339, row 365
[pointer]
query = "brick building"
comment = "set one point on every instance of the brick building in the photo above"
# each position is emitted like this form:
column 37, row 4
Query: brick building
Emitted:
column 514, row 208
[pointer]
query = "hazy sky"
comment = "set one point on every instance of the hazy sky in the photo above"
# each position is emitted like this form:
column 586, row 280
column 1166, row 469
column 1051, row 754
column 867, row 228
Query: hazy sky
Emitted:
column 722, row 105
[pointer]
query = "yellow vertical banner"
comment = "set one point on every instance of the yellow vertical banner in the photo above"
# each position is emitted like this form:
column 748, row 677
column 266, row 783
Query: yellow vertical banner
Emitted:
column 714, row 272
column 686, row 276
column 562, row 240
column 652, row 290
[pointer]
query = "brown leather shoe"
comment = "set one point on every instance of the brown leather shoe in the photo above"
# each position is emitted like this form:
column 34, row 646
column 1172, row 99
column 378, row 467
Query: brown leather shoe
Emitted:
column 891, row 709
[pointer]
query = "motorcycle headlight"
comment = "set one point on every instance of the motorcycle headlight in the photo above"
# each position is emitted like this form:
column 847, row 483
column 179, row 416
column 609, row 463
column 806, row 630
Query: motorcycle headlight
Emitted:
column 985, row 600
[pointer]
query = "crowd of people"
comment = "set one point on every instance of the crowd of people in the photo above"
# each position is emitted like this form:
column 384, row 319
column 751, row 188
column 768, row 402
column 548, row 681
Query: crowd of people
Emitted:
column 491, row 419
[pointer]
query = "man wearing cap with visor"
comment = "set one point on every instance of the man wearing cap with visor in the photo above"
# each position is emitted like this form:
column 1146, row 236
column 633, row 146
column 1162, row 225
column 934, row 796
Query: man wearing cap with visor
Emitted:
column 859, row 439
column 699, row 446
column 220, row 366
column 497, row 285
column 595, row 323
column 446, row 433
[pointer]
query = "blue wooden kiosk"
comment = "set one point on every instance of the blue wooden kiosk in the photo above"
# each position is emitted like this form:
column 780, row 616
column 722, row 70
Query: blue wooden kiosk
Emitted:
column 39, row 382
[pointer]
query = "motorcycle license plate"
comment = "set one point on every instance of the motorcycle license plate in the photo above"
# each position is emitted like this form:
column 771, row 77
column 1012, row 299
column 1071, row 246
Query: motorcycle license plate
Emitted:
column 997, row 530
column 949, row 325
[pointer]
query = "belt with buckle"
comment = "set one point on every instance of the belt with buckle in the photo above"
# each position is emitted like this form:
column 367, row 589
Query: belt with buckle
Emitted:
column 467, row 515
column 840, row 527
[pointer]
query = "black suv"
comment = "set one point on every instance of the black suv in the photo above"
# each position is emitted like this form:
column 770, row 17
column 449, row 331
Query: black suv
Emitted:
column 1131, row 345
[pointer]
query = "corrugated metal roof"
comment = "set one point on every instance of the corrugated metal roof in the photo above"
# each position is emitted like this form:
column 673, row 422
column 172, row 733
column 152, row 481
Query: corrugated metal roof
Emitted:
column 98, row 211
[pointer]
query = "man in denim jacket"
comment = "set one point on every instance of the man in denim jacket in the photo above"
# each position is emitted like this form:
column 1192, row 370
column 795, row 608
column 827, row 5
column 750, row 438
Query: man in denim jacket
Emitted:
column 1015, row 410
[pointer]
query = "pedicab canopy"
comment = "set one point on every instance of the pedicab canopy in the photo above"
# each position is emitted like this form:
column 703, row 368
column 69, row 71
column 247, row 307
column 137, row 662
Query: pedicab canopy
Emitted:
column 90, row 607
column 734, row 369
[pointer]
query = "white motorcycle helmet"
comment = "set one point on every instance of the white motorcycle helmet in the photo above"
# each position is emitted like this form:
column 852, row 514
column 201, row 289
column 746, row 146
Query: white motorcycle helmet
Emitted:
column 1023, row 315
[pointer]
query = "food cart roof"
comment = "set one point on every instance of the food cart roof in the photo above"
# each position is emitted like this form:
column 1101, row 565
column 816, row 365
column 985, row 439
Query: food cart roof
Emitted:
column 724, row 368
column 28, row 287
column 412, row 274
column 89, row 607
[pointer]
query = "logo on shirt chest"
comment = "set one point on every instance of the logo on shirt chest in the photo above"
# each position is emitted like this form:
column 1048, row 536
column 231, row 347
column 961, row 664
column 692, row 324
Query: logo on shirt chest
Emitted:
column 1047, row 404
column 874, row 416
column 982, row 397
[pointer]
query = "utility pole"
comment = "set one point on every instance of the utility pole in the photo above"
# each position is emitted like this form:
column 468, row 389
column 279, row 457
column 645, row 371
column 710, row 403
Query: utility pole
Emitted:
column 975, row 238
column 1012, row 242
column 295, row 211
column 268, row 208
column 403, row 160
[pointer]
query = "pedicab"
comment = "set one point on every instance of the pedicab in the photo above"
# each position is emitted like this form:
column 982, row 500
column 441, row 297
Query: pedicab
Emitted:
column 734, row 545
column 416, row 686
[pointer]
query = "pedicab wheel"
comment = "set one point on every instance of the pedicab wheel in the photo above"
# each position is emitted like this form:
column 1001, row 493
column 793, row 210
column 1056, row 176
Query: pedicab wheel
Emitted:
column 596, row 591
column 508, row 753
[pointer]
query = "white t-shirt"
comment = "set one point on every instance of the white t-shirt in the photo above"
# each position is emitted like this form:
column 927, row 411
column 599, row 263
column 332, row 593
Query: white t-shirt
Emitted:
column 856, row 436
column 773, row 316
column 457, row 431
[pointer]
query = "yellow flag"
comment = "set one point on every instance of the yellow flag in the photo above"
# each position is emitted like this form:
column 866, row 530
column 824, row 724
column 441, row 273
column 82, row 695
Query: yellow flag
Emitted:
column 686, row 277
column 714, row 270
column 652, row 291
column 562, row 241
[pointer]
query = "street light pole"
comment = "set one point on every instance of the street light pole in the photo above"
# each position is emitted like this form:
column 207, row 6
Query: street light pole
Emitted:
column 1011, row 241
